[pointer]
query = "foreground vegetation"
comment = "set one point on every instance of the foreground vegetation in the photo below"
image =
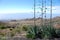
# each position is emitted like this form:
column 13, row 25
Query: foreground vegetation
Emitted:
column 33, row 32
column 43, row 32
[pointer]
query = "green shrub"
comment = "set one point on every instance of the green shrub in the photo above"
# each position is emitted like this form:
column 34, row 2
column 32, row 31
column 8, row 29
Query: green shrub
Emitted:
column 14, row 31
column 43, row 32
column 2, row 34
column 48, row 31
column 58, row 33
column 2, row 38
column 2, row 27
column 18, row 30
column 11, row 29
column 33, row 32
column 12, row 34
column 25, row 28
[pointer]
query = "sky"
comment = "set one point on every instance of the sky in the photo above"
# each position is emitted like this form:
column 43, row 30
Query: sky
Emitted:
column 15, row 6
column 19, row 9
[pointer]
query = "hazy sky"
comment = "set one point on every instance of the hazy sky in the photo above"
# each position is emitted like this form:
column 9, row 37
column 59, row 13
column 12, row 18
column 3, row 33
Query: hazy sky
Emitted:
column 23, row 6
column 15, row 6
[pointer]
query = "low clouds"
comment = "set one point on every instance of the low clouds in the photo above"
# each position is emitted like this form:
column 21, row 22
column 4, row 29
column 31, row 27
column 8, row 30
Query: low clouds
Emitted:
column 55, row 10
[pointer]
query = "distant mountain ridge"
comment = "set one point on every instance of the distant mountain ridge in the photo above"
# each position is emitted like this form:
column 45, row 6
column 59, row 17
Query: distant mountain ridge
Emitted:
column 30, row 21
column 19, row 16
